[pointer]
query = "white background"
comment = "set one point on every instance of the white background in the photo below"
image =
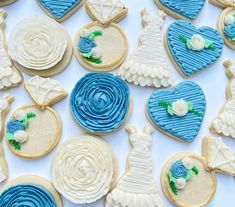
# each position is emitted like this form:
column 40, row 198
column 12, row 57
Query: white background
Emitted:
column 212, row 80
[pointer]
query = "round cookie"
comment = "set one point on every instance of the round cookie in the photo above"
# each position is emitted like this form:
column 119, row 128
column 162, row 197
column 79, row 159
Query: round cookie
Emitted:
column 29, row 190
column 84, row 169
column 100, row 103
column 222, row 3
column 6, row 2
column 39, row 45
column 184, row 176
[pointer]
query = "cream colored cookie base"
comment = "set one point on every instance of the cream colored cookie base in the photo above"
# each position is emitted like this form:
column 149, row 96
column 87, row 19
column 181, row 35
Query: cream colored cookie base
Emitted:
column 70, row 13
column 58, row 68
column 219, row 3
column 6, row 2
column 108, row 46
column 44, row 133
column 198, row 192
column 36, row 180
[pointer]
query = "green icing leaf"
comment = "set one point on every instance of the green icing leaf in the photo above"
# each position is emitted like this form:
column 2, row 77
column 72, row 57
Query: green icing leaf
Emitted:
column 15, row 144
column 86, row 55
column 189, row 175
column 173, row 188
column 170, row 110
column 195, row 170
column 93, row 60
column 25, row 123
column 31, row 115
column 183, row 39
column 171, row 178
column 163, row 103
column 208, row 43
column 233, row 39
column 10, row 136
column 190, row 106
column 188, row 44
column 94, row 34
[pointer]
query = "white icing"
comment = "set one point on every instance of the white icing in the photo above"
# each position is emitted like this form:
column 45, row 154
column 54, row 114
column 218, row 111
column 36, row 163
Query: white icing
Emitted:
column 21, row 136
column 84, row 32
column 180, row 183
column 96, row 53
column 147, row 66
column 45, row 91
column 180, row 107
column 224, row 123
column 38, row 43
column 197, row 42
column 83, row 169
column 137, row 187
column 188, row 163
column 19, row 115
column 229, row 19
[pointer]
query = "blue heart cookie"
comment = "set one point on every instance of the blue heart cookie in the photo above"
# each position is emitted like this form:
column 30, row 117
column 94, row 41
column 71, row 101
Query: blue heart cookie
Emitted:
column 59, row 8
column 187, row 126
column 187, row 8
column 192, row 61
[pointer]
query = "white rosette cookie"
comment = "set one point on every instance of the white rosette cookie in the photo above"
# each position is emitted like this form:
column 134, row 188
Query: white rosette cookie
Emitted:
column 84, row 169
column 39, row 45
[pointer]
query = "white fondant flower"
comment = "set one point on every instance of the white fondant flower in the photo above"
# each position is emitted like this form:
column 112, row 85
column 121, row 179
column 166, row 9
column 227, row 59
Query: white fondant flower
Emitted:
column 197, row 42
column 96, row 53
column 180, row 183
column 21, row 136
column 180, row 107
column 188, row 163
column 84, row 32
column 229, row 19
column 19, row 115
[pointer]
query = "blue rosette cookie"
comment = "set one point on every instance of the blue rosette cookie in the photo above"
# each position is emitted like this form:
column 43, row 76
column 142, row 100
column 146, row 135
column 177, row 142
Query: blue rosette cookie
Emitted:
column 100, row 102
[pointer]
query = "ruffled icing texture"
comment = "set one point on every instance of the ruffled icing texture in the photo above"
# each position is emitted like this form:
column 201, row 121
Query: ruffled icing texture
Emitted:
column 190, row 61
column 187, row 8
column 187, row 127
column 59, row 8
column 100, row 102
column 229, row 31
column 27, row 195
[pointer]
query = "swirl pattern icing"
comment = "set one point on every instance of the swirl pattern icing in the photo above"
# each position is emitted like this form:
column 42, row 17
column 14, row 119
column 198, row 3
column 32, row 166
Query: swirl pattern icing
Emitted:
column 189, row 61
column 229, row 31
column 178, row 169
column 100, row 102
column 27, row 195
column 38, row 43
column 185, row 128
column 83, row 169
column 14, row 126
column 187, row 8
column 60, row 8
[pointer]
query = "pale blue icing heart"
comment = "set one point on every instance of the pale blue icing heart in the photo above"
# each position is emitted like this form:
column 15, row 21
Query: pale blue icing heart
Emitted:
column 59, row 8
column 191, row 61
column 185, row 127
column 187, row 8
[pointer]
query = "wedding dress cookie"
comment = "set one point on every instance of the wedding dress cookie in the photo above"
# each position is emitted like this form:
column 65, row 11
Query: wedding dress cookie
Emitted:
column 178, row 112
column 187, row 9
column 192, row 49
column 6, row 2
column 31, row 191
column 84, row 169
column 4, row 109
column 147, row 66
column 9, row 75
column 40, row 46
column 34, row 130
column 102, row 45
column 223, row 3
column 137, row 186
column 218, row 156
column 186, row 182
column 224, row 123
column 101, row 103
column 60, row 10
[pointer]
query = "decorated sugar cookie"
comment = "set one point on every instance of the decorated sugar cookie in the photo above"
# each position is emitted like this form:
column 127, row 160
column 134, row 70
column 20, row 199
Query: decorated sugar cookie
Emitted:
column 147, row 66
column 184, row 176
column 5, row 103
column 218, row 156
column 100, row 103
column 223, row 3
column 187, row 9
column 137, row 186
column 6, row 2
column 60, row 10
column 102, row 45
column 178, row 112
column 34, row 130
column 192, row 49
column 84, row 169
column 39, row 45
column 9, row 75
column 223, row 123
column 29, row 190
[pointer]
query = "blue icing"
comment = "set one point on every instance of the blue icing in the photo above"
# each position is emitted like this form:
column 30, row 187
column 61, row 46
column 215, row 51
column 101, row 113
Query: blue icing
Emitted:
column 29, row 195
column 100, row 102
column 178, row 170
column 187, row 127
column 14, row 126
column 191, row 61
column 59, row 8
column 86, row 44
column 187, row 8
column 229, row 31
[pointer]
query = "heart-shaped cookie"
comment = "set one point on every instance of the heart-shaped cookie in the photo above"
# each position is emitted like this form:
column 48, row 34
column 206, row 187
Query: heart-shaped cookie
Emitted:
column 60, row 9
column 178, row 112
column 192, row 49
column 188, row 9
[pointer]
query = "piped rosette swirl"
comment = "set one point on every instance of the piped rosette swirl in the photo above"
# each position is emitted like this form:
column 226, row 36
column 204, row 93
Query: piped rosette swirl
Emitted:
column 83, row 170
column 100, row 102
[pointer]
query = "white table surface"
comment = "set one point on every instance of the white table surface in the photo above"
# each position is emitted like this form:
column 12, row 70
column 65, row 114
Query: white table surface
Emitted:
column 212, row 80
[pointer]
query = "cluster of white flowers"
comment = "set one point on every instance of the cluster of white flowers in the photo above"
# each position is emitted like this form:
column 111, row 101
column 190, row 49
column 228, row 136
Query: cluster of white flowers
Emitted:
column 229, row 19
column 20, row 136
column 180, row 107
